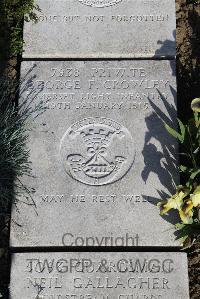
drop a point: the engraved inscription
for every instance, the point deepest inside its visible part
(99, 3)
(88, 19)
(99, 275)
(102, 89)
(103, 198)
(120, 278)
(97, 151)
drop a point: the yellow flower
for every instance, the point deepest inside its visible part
(195, 105)
(186, 212)
(174, 202)
(195, 197)
(188, 206)
(186, 218)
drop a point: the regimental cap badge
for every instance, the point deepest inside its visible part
(99, 3)
(97, 151)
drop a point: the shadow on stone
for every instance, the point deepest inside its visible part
(168, 46)
(163, 162)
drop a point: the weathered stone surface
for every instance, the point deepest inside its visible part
(109, 28)
(101, 156)
(99, 275)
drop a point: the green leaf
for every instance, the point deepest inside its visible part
(196, 118)
(182, 128)
(179, 226)
(174, 133)
(194, 174)
(183, 168)
(189, 185)
(196, 150)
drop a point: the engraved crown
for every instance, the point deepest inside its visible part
(97, 137)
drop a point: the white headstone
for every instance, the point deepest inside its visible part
(102, 29)
(103, 275)
(100, 154)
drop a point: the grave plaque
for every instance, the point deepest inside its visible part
(99, 276)
(102, 29)
(100, 154)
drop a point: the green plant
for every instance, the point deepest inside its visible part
(13, 12)
(15, 123)
(187, 198)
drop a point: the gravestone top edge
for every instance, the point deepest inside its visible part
(136, 274)
(128, 29)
